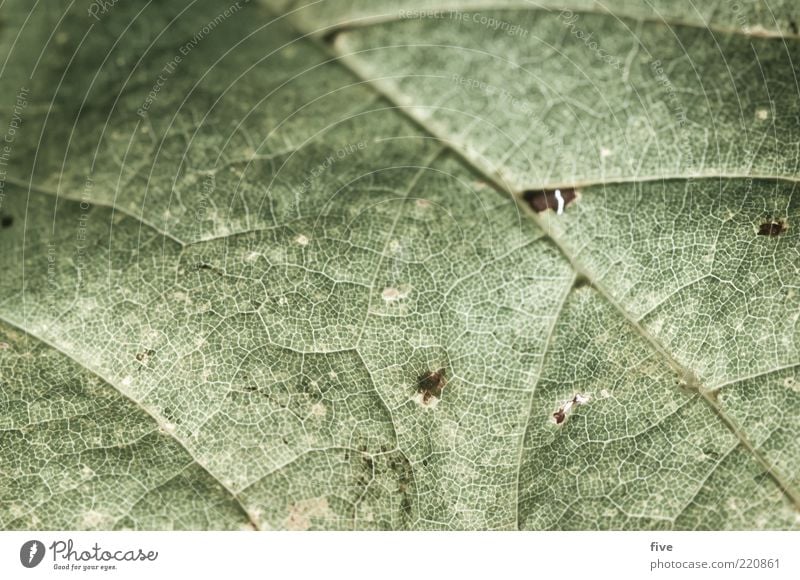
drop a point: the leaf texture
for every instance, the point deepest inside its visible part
(272, 267)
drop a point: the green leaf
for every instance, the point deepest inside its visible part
(285, 267)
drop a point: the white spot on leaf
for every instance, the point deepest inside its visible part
(393, 294)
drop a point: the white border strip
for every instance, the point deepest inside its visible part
(409, 555)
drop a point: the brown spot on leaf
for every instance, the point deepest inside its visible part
(143, 356)
(544, 199)
(566, 409)
(772, 228)
(405, 483)
(431, 384)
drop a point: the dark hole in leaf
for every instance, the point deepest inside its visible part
(772, 228)
(543, 199)
(204, 266)
(431, 384)
(559, 416)
(793, 26)
(6, 221)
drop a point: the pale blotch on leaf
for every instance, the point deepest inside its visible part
(394, 294)
(94, 519)
(16, 510)
(301, 240)
(302, 512)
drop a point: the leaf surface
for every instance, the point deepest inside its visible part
(257, 276)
